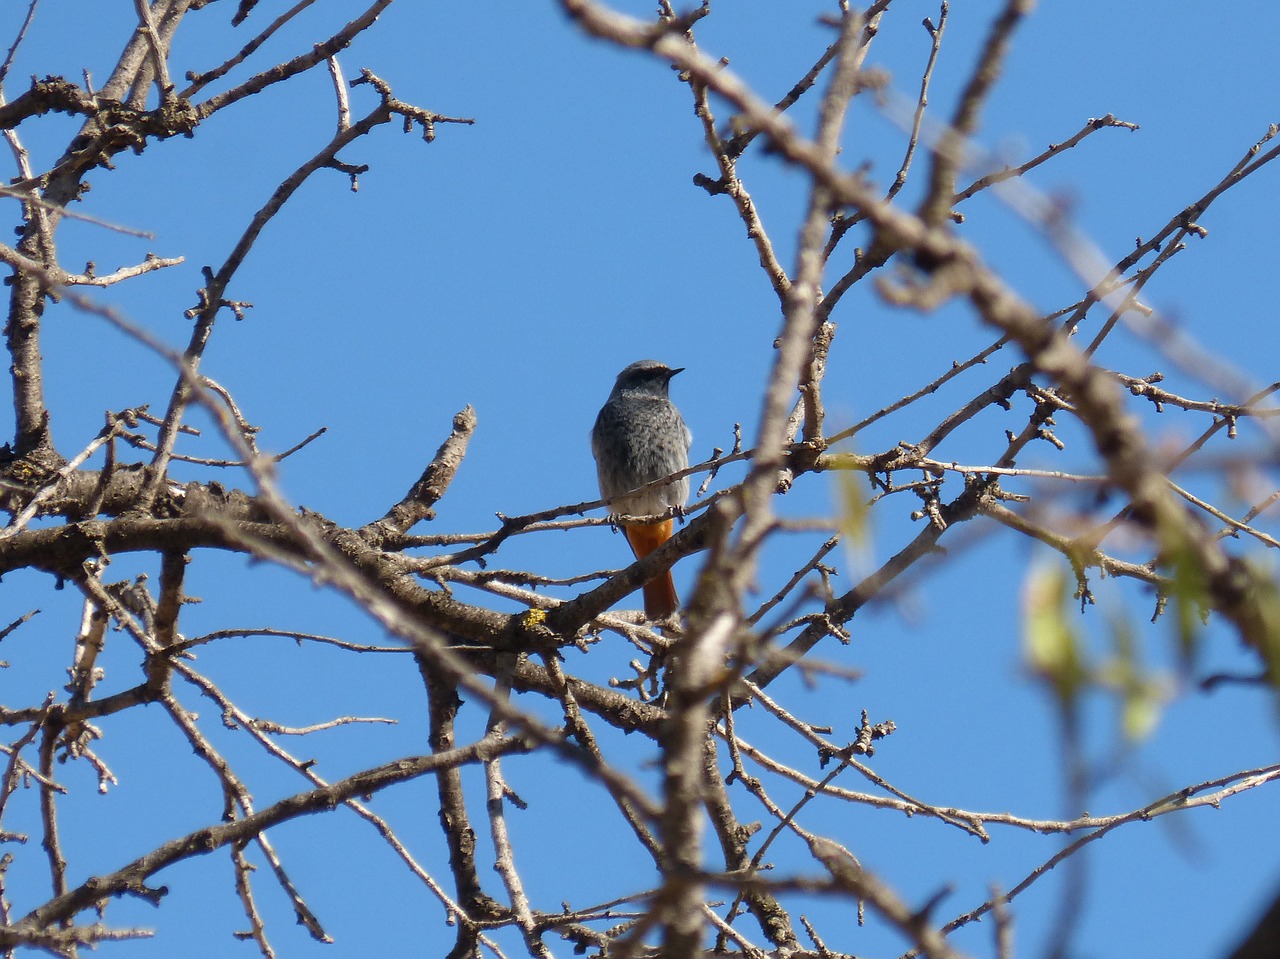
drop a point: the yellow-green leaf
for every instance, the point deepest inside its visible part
(1051, 644)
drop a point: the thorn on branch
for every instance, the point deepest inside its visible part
(17, 622)
(412, 115)
(714, 187)
(203, 303)
(350, 170)
(1110, 121)
(152, 894)
(243, 11)
(1049, 437)
(862, 744)
(671, 22)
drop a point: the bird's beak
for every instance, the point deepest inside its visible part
(671, 373)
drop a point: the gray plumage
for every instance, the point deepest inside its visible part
(639, 437)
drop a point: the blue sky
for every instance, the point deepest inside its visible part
(516, 265)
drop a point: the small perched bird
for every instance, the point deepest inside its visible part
(638, 438)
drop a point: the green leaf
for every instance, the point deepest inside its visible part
(1050, 641)
(854, 517)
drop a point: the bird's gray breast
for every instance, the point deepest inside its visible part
(638, 439)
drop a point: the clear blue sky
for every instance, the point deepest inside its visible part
(516, 265)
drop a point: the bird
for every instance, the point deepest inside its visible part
(639, 437)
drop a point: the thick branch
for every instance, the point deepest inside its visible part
(434, 481)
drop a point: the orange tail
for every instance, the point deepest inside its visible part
(660, 598)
